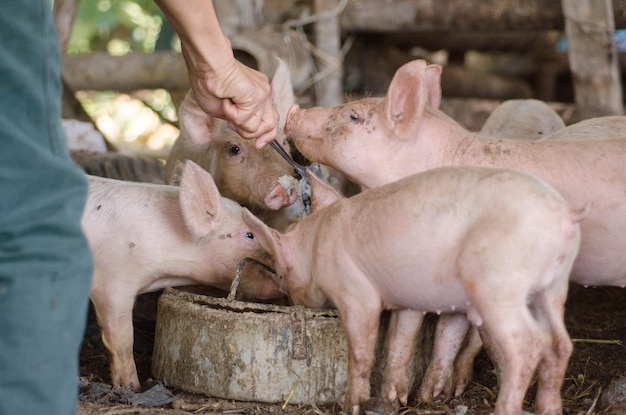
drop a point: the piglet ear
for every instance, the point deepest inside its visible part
(322, 194)
(177, 173)
(194, 122)
(200, 201)
(282, 92)
(432, 85)
(414, 86)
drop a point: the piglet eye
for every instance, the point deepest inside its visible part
(249, 235)
(354, 116)
(234, 149)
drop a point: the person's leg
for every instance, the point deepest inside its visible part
(45, 262)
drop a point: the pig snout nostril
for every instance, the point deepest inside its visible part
(277, 197)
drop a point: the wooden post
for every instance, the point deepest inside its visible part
(64, 14)
(590, 25)
(234, 16)
(328, 42)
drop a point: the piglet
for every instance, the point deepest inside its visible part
(494, 244)
(145, 237)
(241, 172)
(375, 141)
(452, 362)
(521, 119)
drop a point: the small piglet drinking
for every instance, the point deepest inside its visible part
(495, 244)
(243, 173)
(145, 237)
(375, 141)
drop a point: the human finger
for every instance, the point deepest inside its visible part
(251, 123)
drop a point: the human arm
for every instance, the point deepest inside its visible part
(223, 86)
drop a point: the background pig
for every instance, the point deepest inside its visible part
(241, 172)
(379, 140)
(521, 119)
(145, 237)
(503, 248)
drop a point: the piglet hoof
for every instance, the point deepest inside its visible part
(460, 387)
(379, 406)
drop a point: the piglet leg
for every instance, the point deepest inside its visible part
(361, 322)
(449, 336)
(515, 343)
(549, 310)
(403, 327)
(464, 364)
(115, 316)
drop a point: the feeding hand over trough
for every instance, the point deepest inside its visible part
(241, 172)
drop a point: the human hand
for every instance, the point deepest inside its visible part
(240, 95)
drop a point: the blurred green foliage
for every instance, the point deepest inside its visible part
(117, 26)
(130, 121)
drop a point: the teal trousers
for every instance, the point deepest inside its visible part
(45, 262)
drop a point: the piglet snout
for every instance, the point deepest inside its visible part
(279, 197)
(289, 120)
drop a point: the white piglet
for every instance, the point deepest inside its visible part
(494, 244)
(145, 237)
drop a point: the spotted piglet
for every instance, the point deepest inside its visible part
(145, 237)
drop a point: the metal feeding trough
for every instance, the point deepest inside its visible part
(260, 352)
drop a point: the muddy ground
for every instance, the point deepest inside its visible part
(595, 317)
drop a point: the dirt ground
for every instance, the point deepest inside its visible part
(595, 317)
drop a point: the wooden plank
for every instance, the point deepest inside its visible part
(101, 71)
(64, 14)
(327, 34)
(592, 57)
(440, 16)
(234, 16)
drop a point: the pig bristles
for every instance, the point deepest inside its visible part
(242, 263)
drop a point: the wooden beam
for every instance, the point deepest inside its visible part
(101, 71)
(64, 14)
(327, 33)
(589, 26)
(441, 16)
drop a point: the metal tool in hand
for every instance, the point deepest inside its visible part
(305, 184)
